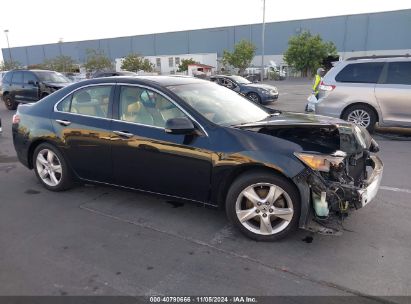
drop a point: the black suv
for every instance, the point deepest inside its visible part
(24, 86)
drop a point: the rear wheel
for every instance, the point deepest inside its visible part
(10, 103)
(361, 115)
(51, 168)
(254, 97)
(263, 206)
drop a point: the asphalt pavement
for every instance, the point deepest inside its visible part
(95, 240)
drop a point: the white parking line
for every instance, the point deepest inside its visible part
(395, 189)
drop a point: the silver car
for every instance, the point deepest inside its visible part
(368, 90)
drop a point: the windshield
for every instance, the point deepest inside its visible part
(240, 79)
(52, 77)
(219, 104)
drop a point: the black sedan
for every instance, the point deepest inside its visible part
(257, 92)
(193, 140)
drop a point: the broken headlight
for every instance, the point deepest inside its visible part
(321, 162)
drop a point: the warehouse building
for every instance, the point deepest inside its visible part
(354, 35)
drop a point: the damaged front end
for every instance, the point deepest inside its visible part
(341, 173)
(346, 179)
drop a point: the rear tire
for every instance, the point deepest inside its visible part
(361, 115)
(51, 168)
(10, 103)
(263, 206)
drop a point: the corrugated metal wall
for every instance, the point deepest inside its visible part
(365, 32)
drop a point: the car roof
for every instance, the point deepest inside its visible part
(164, 81)
(34, 70)
(376, 59)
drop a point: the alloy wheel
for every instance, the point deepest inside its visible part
(264, 208)
(254, 98)
(359, 117)
(49, 167)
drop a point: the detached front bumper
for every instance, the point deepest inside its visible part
(372, 184)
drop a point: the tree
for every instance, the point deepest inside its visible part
(134, 63)
(306, 52)
(183, 66)
(60, 64)
(9, 65)
(241, 57)
(96, 61)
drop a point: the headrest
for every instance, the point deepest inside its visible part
(134, 107)
(83, 97)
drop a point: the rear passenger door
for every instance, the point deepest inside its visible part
(17, 86)
(394, 93)
(82, 122)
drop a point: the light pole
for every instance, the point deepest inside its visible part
(8, 44)
(262, 43)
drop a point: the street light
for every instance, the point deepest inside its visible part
(8, 44)
(262, 43)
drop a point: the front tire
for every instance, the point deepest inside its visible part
(361, 115)
(51, 168)
(263, 206)
(254, 97)
(10, 103)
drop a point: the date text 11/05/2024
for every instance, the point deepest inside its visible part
(197, 299)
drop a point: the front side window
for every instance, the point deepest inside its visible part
(90, 101)
(143, 106)
(368, 72)
(17, 77)
(29, 77)
(399, 73)
(219, 105)
(240, 79)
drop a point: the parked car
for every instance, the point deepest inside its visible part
(112, 73)
(193, 140)
(256, 92)
(368, 90)
(24, 86)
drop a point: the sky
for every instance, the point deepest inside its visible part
(48, 21)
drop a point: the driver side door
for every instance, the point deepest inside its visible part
(147, 158)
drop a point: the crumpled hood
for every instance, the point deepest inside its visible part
(291, 118)
(353, 139)
(261, 86)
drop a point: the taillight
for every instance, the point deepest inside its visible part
(16, 118)
(326, 87)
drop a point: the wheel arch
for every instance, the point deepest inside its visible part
(361, 103)
(33, 147)
(225, 184)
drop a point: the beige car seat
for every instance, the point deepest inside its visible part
(136, 112)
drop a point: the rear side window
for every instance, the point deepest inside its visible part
(90, 101)
(399, 73)
(361, 72)
(7, 78)
(17, 77)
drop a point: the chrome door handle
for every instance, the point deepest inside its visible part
(123, 134)
(63, 122)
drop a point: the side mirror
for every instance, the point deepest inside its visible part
(179, 126)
